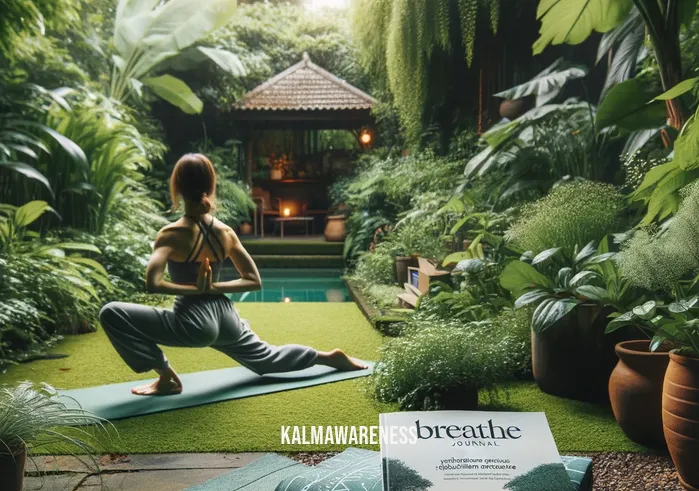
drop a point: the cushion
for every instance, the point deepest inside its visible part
(360, 470)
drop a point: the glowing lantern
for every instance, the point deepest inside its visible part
(365, 137)
(287, 212)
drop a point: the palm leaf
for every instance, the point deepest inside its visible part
(547, 84)
(176, 92)
(572, 21)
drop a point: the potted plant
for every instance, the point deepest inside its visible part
(571, 356)
(676, 325)
(636, 384)
(34, 419)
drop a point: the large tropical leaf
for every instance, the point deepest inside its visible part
(679, 89)
(551, 311)
(547, 84)
(624, 43)
(519, 277)
(191, 57)
(572, 21)
(224, 59)
(665, 198)
(626, 106)
(687, 146)
(176, 92)
(27, 171)
(132, 19)
(506, 140)
(28, 213)
(178, 24)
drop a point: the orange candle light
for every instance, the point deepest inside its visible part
(287, 212)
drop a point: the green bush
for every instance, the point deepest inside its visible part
(658, 260)
(233, 202)
(434, 359)
(571, 215)
(377, 266)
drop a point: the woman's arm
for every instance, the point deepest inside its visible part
(155, 271)
(249, 275)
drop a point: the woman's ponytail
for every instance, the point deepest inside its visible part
(206, 203)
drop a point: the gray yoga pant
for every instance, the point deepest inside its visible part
(195, 321)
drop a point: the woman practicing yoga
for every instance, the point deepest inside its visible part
(193, 248)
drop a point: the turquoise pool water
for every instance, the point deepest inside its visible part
(298, 285)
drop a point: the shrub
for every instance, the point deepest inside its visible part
(376, 267)
(233, 202)
(571, 215)
(658, 259)
(433, 359)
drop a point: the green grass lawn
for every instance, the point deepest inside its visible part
(253, 424)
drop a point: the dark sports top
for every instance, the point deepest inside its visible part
(186, 272)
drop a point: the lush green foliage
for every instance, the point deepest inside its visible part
(659, 259)
(673, 325)
(422, 369)
(270, 37)
(148, 34)
(386, 188)
(46, 287)
(399, 38)
(570, 216)
(555, 283)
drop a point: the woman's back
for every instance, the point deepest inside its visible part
(193, 240)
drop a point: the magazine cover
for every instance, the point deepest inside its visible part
(470, 450)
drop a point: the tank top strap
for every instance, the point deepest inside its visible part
(196, 249)
(212, 233)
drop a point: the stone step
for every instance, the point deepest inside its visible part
(294, 261)
(292, 247)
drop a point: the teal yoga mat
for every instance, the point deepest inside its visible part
(115, 401)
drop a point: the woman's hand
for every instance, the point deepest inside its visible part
(205, 277)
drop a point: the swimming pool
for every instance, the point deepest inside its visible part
(298, 285)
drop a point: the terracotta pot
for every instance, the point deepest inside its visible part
(514, 108)
(245, 228)
(636, 390)
(335, 228)
(574, 358)
(275, 174)
(681, 417)
(12, 470)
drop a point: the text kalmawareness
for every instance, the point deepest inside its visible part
(348, 435)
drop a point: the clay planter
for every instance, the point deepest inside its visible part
(574, 358)
(245, 228)
(635, 391)
(514, 108)
(335, 228)
(12, 470)
(681, 417)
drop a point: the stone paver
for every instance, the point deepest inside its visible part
(53, 482)
(151, 472)
(163, 480)
(140, 462)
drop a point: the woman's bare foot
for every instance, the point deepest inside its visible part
(168, 384)
(338, 359)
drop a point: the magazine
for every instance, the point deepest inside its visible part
(470, 451)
